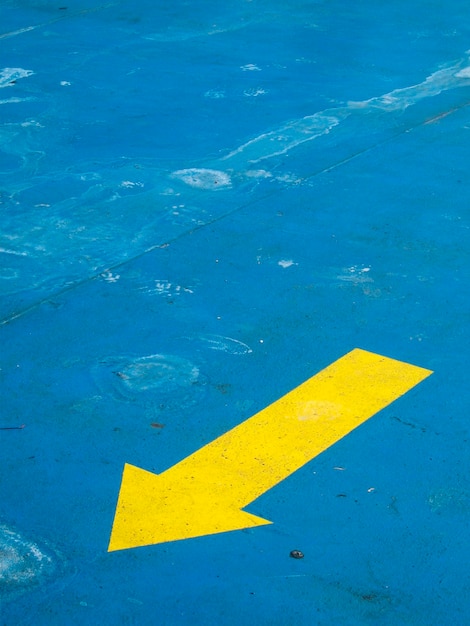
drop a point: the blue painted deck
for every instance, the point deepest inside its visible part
(202, 205)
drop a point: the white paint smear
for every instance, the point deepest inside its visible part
(225, 344)
(293, 133)
(13, 252)
(204, 178)
(20, 31)
(14, 100)
(129, 184)
(465, 73)
(286, 137)
(258, 174)
(10, 74)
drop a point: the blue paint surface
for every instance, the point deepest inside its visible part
(202, 205)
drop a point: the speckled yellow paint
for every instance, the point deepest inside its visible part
(206, 492)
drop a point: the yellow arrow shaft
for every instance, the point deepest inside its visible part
(248, 460)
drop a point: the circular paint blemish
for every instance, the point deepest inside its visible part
(164, 380)
(23, 563)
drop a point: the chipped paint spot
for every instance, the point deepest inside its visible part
(286, 263)
(215, 94)
(109, 277)
(355, 274)
(129, 184)
(250, 67)
(254, 92)
(165, 287)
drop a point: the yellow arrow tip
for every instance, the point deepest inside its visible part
(153, 508)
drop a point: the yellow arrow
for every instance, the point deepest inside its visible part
(206, 492)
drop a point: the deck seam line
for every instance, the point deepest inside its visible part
(219, 218)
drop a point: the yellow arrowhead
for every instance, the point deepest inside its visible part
(206, 492)
(152, 509)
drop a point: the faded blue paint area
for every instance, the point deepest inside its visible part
(203, 205)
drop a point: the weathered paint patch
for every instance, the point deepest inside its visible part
(23, 563)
